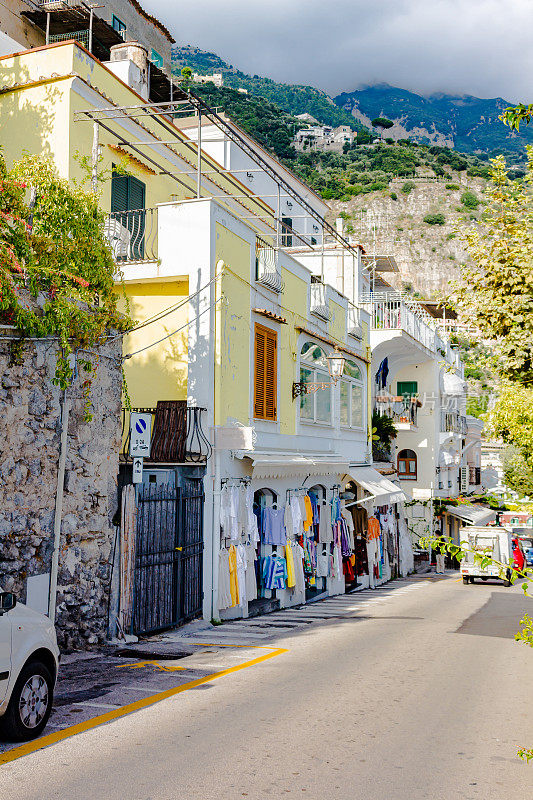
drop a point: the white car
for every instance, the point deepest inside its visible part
(29, 660)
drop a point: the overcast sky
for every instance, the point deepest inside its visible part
(479, 47)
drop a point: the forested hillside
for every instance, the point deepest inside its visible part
(466, 123)
(289, 98)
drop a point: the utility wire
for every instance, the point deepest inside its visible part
(130, 355)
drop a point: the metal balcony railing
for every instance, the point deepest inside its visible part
(266, 266)
(474, 476)
(177, 433)
(354, 322)
(132, 235)
(318, 301)
(453, 422)
(395, 311)
(79, 36)
(399, 409)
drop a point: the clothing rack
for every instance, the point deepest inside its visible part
(235, 481)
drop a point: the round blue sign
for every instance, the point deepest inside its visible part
(140, 427)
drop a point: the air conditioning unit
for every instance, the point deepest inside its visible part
(463, 479)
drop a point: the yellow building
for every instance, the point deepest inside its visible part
(238, 306)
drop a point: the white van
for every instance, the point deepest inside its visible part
(29, 659)
(493, 541)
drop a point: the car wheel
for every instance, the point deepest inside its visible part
(484, 579)
(30, 704)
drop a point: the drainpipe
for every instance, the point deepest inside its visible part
(215, 548)
(65, 411)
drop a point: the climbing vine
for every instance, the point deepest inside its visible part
(56, 267)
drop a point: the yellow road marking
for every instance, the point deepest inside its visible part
(145, 702)
(156, 664)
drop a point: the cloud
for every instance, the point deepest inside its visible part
(479, 47)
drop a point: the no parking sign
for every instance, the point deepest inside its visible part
(140, 434)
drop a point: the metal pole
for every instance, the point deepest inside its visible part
(47, 40)
(91, 30)
(199, 160)
(94, 159)
(278, 211)
(65, 411)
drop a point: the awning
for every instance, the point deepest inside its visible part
(453, 385)
(281, 465)
(383, 490)
(473, 515)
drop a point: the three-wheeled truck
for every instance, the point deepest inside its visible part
(498, 543)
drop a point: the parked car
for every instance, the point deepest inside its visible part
(29, 660)
(496, 542)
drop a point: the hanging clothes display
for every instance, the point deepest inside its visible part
(234, 584)
(274, 526)
(250, 576)
(274, 572)
(291, 578)
(224, 587)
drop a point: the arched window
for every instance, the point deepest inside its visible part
(352, 396)
(316, 406)
(407, 465)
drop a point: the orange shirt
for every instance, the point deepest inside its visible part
(373, 528)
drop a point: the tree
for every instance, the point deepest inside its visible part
(496, 289)
(511, 420)
(383, 123)
(56, 266)
(434, 219)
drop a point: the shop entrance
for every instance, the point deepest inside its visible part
(317, 588)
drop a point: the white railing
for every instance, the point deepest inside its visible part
(354, 322)
(266, 266)
(394, 311)
(318, 301)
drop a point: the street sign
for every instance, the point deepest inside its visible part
(137, 470)
(140, 434)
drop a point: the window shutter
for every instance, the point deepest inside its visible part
(119, 193)
(136, 193)
(265, 373)
(271, 375)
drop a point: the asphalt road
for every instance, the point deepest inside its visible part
(418, 693)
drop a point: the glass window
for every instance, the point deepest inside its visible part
(307, 403)
(313, 354)
(156, 59)
(357, 406)
(345, 408)
(352, 370)
(118, 25)
(323, 398)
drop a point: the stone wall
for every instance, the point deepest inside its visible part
(29, 456)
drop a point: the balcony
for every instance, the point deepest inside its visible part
(474, 475)
(402, 410)
(267, 272)
(318, 301)
(132, 235)
(393, 311)
(453, 422)
(355, 328)
(177, 434)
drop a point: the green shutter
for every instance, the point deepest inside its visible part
(407, 387)
(119, 193)
(136, 193)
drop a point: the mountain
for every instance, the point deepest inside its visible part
(466, 123)
(292, 99)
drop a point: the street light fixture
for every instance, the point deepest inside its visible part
(335, 368)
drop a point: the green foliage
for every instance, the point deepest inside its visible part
(497, 287)
(469, 200)
(383, 429)
(382, 122)
(364, 137)
(408, 187)
(61, 258)
(511, 420)
(393, 196)
(435, 219)
(453, 187)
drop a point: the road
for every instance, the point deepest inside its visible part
(418, 692)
